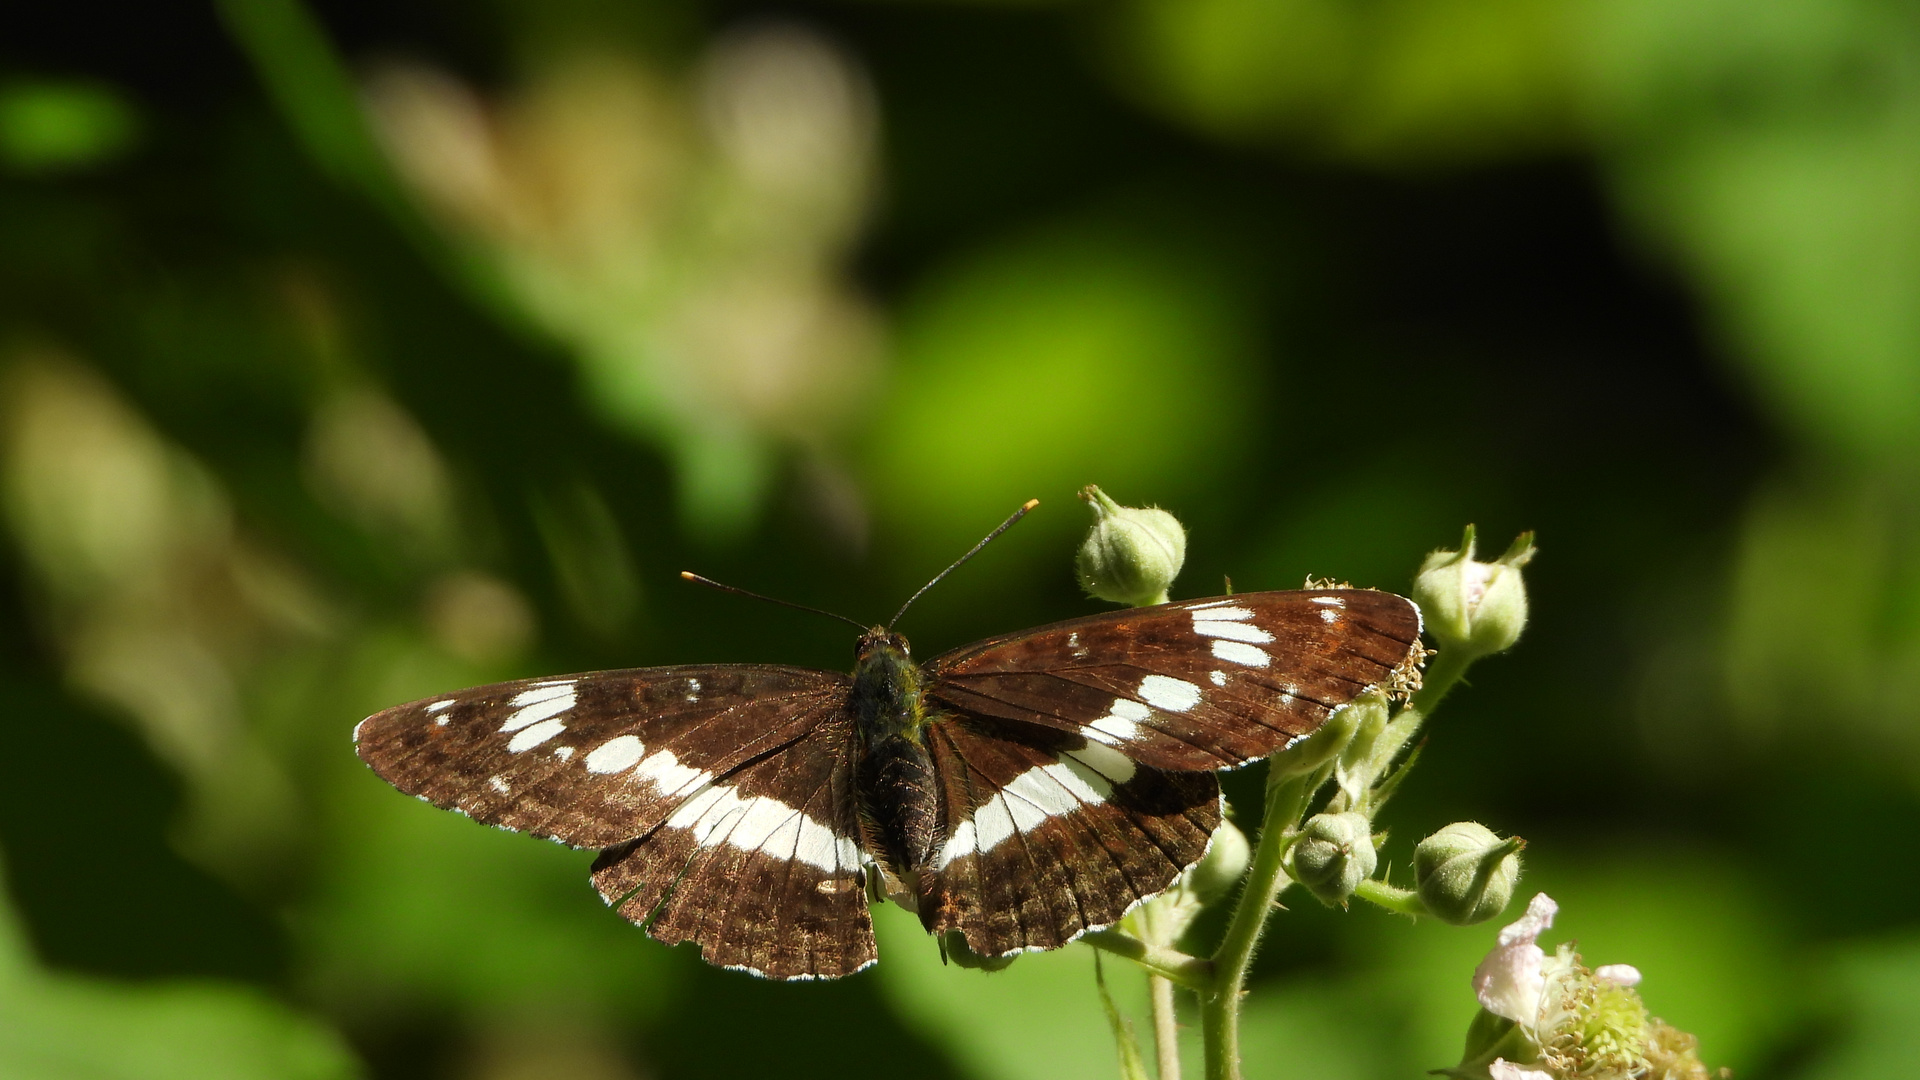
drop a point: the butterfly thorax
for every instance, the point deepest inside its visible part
(893, 775)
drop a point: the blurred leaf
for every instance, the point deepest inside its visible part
(1777, 150)
(1399, 81)
(1879, 988)
(58, 126)
(1073, 356)
(56, 1027)
(1040, 1019)
(1825, 613)
(293, 57)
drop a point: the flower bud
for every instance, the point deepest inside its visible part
(1224, 864)
(1132, 554)
(1478, 608)
(1334, 855)
(1465, 874)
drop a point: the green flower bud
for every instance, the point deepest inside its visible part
(1222, 867)
(1334, 855)
(954, 945)
(1465, 874)
(1132, 554)
(1478, 608)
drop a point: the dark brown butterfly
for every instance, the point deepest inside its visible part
(1022, 790)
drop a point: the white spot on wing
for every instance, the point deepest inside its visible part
(497, 784)
(1219, 678)
(719, 815)
(1221, 609)
(1036, 796)
(962, 842)
(1330, 601)
(442, 721)
(615, 755)
(1121, 723)
(537, 704)
(1173, 695)
(1032, 797)
(440, 705)
(1237, 631)
(667, 775)
(1116, 767)
(531, 737)
(1239, 652)
(541, 692)
(992, 824)
(564, 753)
(1329, 615)
(1226, 602)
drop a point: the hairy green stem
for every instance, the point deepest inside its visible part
(1171, 964)
(1220, 1003)
(1166, 1028)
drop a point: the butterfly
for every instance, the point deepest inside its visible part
(1021, 791)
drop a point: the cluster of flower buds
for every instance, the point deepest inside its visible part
(1552, 1018)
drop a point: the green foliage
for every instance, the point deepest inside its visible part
(294, 426)
(59, 1027)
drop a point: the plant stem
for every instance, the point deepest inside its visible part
(1397, 900)
(1166, 1027)
(1447, 668)
(1189, 971)
(1220, 1003)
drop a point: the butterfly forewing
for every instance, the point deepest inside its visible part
(1050, 836)
(1205, 684)
(594, 760)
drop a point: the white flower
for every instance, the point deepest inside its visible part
(1618, 974)
(1502, 1069)
(1508, 982)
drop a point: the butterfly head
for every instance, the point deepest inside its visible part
(877, 641)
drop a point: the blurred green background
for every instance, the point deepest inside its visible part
(360, 351)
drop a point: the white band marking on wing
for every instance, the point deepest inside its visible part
(1237, 652)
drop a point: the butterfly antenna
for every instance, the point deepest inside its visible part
(698, 580)
(957, 563)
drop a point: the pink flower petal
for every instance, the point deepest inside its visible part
(1528, 928)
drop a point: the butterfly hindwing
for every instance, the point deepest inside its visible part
(594, 760)
(761, 868)
(1197, 685)
(1049, 836)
